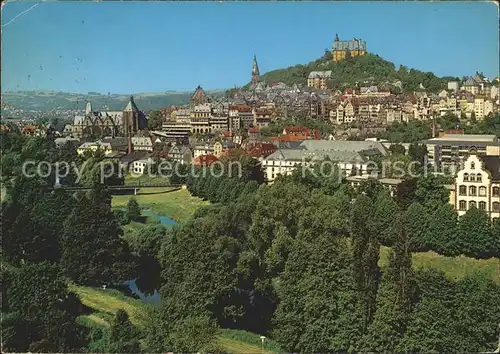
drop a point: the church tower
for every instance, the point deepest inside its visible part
(130, 123)
(255, 71)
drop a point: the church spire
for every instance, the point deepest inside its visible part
(255, 70)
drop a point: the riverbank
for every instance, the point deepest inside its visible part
(178, 205)
(104, 304)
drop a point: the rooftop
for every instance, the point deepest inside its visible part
(465, 138)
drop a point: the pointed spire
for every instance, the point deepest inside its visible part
(131, 107)
(255, 68)
(255, 71)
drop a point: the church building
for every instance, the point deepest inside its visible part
(109, 123)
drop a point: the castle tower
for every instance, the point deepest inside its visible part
(255, 71)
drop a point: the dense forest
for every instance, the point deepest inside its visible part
(371, 68)
(297, 261)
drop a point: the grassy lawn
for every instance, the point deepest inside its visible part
(145, 179)
(236, 347)
(453, 267)
(106, 302)
(242, 342)
(178, 205)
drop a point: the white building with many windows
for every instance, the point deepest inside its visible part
(478, 185)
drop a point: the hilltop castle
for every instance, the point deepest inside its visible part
(342, 49)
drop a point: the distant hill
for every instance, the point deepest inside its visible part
(52, 100)
(368, 69)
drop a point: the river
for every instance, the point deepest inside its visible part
(132, 284)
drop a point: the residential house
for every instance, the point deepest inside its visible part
(180, 153)
(203, 149)
(142, 143)
(470, 85)
(477, 185)
(139, 167)
(93, 147)
(204, 160)
(319, 79)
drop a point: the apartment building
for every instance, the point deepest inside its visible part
(477, 185)
(200, 118)
(351, 157)
(450, 150)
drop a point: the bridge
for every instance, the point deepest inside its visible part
(123, 187)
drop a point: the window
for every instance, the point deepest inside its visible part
(472, 177)
(482, 205)
(472, 165)
(466, 177)
(482, 191)
(472, 190)
(479, 177)
(496, 206)
(462, 205)
(462, 190)
(472, 204)
(496, 191)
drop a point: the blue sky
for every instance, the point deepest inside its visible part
(131, 47)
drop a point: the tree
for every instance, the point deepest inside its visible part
(397, 149)
(418, 223)
(443, 231)
(405, 192)
(40, 312)
(133, 209)
(430, 326)
(394, 298)
(477, 305)
(474, 235)
(93, 251)
(417, 153)
(385, 214)
(366, 250)
(155, 120)
(431, 192)
(123, 335)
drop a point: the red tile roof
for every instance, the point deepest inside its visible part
(205, 160)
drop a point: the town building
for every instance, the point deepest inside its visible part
(204, 160)
(319, 79)
(477, 185)
(343, 49)
(106, 123)
(142, 143)
(139, 167)
(450, 150)
(181, 154)
(351, 157)
(204, 149)
(453, 86)
(199, 96)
